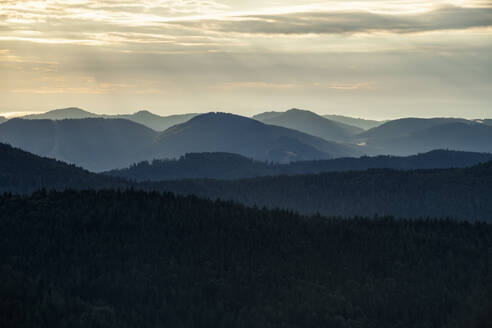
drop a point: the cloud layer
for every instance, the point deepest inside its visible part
(374, 58)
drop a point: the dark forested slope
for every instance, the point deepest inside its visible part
(233, 166)
(460, 193)
(133, 259)
(23, 172)
(464, 193)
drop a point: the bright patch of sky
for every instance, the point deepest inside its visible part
(378, 59)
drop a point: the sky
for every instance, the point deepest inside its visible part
(377, 59)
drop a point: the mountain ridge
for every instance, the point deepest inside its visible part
(101, 144)
(362, 123)
(151, 120)
(310, 123)
(233, 166)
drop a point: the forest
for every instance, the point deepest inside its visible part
(234, 166)
(461, 193)
(147, 259)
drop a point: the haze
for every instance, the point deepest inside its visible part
(375, 59)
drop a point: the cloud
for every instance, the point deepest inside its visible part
(196, 55)
(444, 18)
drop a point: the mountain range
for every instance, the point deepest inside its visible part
(232, 133)
(94, 143)
(407, 126)
(364, 124)
(410, 136)
(310, 123)
(460, 193)
(232, 166)
(100, 144)
(153, 121)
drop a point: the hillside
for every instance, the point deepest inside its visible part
(22, 172)
(406, 126)
(95, 144)
(101, 144)
(2, 119)
(364, 124)
(311, 123)
(126, 259)
(61, 114)
(156, 122)
(221, 132)
(233, 166)
(150, 120)
(454, 136)
(462, 193)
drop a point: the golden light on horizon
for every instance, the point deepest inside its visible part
(189, 50)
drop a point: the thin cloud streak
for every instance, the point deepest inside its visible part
(370, 57)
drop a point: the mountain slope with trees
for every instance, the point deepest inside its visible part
(23, 173)
(126, 259)
(96, 144)
(311, 123)
(463, 193)
(222, 132)
(233, 166)
(455, 136)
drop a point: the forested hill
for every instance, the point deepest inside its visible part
(23, 172)
(459, 193)
(135, 259)
(464, 193)
(233, 166)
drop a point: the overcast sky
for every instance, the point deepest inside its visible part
(374, 59)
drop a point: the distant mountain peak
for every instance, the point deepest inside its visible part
(219, 116)
(144, 112)
(70, 110)
(62, 113)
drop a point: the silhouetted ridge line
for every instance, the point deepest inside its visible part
(234, 166)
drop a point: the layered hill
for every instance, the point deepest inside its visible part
(153, 121)
(455, 135)
(407, 126)
(23, 172)
(96, 144)
(364, 124)
(101, 144)
(61, 114)
(310, 123)
(222, 132)
(233, 166)
(462, 193)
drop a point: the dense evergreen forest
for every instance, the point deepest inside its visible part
(463, 193)
(136, 259)
(233, 166)
(23, 172)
